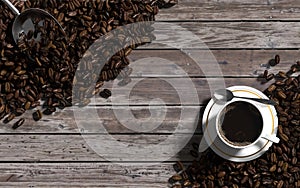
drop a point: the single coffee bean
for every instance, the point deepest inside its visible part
(284, 137)
(272, 62)
(37, 115)
(285, 167)
(277, 59)
(18, 123)
(273, 168)
(280, 184)
(279, 83)
(177, 177)
(178, 166)
(281, 94)
(273, 158)
(2, 108)
(221, 174)
(270, 77)
(265, 75)
(257, 184)
(9, 118)
(106, 93)
(187, 183)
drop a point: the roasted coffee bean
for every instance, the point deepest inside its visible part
(284, 137)
(270, 77)
(37, 115)
(20, 111)
(279, 83)
(280, 184)
(277, 59)
(244, 180)
(273, 158)
(257, 184)
(184, 175)
(9, 118)
(19, 123)
(2, 108)
(106, 93)
(173, 179)
(273, 168)
(281, 94)
(272, 62)
(294, 152)
(177, 177)
(265, 75)
(165, 3)
(178, 166)
(279, 150)
(285, 167)
(221, 174)
(285, 157)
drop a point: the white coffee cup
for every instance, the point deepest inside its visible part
(263, 134)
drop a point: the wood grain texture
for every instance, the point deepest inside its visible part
(144, 91)
(64, 122)
(233, 63)
(210, 10)
(226, 35)
(56, 148)
(84, 175)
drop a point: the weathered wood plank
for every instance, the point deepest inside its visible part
(85, 175)
(118, 148)
(226, 35)
(232, 10)
(233, 63)
(64, 122)
(143, 91)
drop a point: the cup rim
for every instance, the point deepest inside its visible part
(218, 117)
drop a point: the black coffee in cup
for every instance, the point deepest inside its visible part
(240, 123)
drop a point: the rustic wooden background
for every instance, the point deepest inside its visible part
(243, 35)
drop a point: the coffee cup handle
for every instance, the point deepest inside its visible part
(271, 138)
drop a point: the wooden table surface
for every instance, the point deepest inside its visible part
(241, 34)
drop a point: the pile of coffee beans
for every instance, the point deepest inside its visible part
(279, 167)
(40, 69)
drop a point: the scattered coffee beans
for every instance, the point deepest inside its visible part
(279, 167)
(40, 69)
